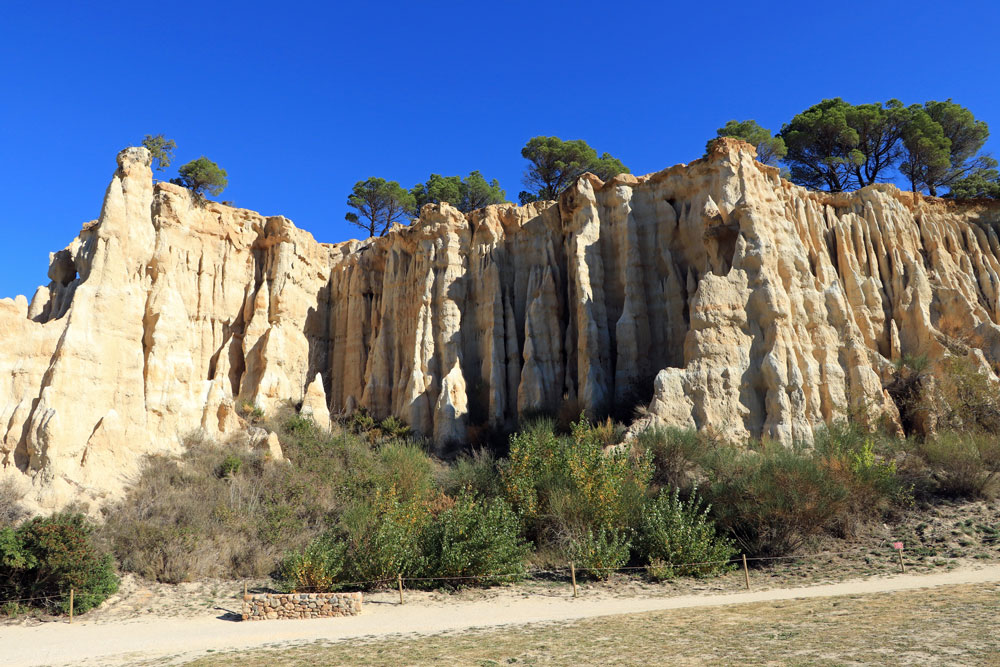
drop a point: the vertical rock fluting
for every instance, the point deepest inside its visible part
(716, 293)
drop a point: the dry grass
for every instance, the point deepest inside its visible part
(953, 625)
(11, 510)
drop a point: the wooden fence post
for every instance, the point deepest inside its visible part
(71, 592)
(901, 568)
(572, 574)
(746, 571)
(399, 582)
(244, 588)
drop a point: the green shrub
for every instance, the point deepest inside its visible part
(230, 466)
(383, 538)
(598, 553)
(393, 427)
(771, 501)
(566, 486)
(405, 467)
(608, 433)
(361, 421)
(962, 465)
(476, 539)
(317, 567)
(252, 412)
(677, 538)
(865, 466)
(477, 471)
(300, 426)
(44, 558)
(674, 454)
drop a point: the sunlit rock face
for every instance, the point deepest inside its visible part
(715, 294)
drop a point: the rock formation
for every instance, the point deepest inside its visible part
(718, 294)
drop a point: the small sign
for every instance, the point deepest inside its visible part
(897, 545)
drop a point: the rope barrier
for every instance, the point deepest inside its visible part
(46, 597)
(564, 570)
(530, 572)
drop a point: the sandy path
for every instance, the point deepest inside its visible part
(178, 639)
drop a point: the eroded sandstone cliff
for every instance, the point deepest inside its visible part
(716, 293)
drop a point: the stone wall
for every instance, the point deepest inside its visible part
(269, 606)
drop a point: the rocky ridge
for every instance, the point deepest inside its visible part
(715, 293)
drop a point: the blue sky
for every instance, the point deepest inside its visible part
(300, 100)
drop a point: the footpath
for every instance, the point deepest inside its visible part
(177, 640)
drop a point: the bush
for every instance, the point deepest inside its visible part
(43, 559)
(962, 465)
(405, 467)
(165, 553)
(477, 472)
(599, 552)
(967, 399)
(229, 466)
(315, 568)
(865, 465)
(252, 412)
(382, 538)
(958, 396)
(674, 454)
(361, 421)
(394, 428)
(476, 539)
(774, 499)
(208, 515)
(217, 513)
(677, 538)
(566, 487)
(11, 510)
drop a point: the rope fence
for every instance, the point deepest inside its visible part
(568, 571)
(571, 569)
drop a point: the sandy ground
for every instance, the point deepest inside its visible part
(175, 640)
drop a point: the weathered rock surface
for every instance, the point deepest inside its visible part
(717, 293)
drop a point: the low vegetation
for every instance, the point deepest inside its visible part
(43, 559)
(365, 503)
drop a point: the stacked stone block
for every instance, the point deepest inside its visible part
(270, 606)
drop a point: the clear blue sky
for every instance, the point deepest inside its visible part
(300, 100)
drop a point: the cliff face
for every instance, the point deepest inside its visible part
(714, 292)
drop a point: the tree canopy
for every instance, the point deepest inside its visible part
(770, 149)
(983, 183)
(378, 204)
(836, 146)
(967, 136)
(464, 194)
(162, 150)
(201, 176)
(926, 151)
(555, 163)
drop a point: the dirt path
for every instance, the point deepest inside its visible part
(180, 639)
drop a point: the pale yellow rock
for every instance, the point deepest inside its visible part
(715, 294)
(314, 404)
(274, 447)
